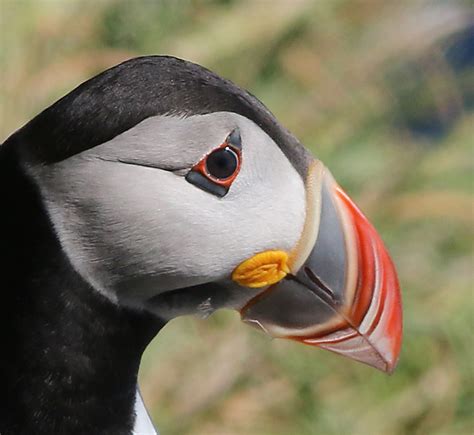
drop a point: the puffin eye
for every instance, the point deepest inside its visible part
(217, 170)
(222, 163)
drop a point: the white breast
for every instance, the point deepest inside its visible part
(143, 424)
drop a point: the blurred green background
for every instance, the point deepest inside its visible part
(383, 93)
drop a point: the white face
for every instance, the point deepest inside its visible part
(134, 231)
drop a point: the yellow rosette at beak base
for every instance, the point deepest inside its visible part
(261, 270)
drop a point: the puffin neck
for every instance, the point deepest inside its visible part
(70, 357)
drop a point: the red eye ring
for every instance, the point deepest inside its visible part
(221, 165)
(221, 159)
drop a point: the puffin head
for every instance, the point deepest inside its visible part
(173, 191)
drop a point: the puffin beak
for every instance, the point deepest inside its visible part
(341, 292)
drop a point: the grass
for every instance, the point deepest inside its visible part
(368, 86)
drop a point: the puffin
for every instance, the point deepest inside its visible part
(158, 189)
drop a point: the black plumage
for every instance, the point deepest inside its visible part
(122, 96)
(69, 357)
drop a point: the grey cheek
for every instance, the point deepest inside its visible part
(135, 233)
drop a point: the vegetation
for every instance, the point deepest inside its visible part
(382, 93)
